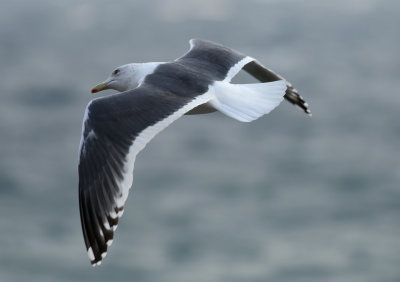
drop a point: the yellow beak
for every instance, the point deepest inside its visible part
(99, 87)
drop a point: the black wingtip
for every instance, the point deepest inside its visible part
(98, 260)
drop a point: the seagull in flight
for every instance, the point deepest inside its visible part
(153, 95)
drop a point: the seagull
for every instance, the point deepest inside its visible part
(153, 95)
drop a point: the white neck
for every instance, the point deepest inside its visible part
(143, 69)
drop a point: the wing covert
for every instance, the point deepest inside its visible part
(217, 61)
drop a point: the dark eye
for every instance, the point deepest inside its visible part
(116, 72)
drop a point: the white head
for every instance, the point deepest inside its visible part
(123, 78)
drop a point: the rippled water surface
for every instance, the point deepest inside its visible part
(284, 198)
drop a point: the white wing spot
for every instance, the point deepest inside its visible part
(107, 225)
(113, 214)
(120, 213)
(90, 253)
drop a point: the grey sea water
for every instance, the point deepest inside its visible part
(285, 198)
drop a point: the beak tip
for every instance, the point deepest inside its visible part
(102, 86)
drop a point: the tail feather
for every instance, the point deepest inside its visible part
(247, 102)
(263, 74)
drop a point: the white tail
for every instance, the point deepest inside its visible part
(247, 102)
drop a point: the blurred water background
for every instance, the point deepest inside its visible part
(285, 198)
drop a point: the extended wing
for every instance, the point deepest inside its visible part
(223, 63)
(115, 129)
